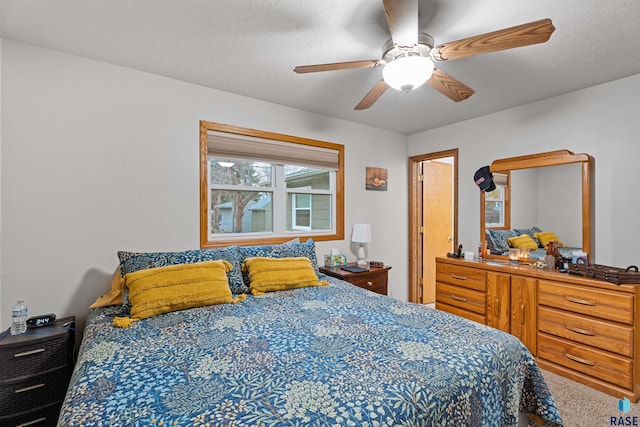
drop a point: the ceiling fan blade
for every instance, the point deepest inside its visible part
(336, 66)
(402, 17)
(373, 95)
(449, 87)
(507, 38)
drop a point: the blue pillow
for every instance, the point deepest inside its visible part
(530, 231)
(500, 238)
(134, 261)
(491, 246)
(283, 250)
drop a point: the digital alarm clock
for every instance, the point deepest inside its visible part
(41, 320)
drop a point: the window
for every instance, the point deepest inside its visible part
(496, 202)
(300, 211)
(259, 187)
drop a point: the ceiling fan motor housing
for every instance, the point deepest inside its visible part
(390, 51)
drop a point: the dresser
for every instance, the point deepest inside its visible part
(36, 368)
(375, 279)
(580, 328)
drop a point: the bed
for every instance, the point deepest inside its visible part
(498, 242)
(326, 355)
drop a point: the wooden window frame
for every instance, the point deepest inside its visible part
(206, 242)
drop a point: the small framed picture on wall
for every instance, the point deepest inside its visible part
(376, 179)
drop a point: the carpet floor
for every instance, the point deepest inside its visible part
(582, 406)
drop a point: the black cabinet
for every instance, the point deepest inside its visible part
(35, 373)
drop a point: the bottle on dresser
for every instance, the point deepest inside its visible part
(19, 318)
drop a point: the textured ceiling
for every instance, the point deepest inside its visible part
(250, 47)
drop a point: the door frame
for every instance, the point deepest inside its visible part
(415, 216)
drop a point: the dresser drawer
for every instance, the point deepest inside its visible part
(461, 297)
(614, 306)
(596, 363)
(462, 313)
(597, 333)
(33, 392)
(36, 356)
(375, 283)
(468, 277)
(46, 416)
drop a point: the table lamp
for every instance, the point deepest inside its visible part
(361, 234)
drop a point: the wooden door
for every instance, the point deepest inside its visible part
(499, 301)
(523, 311)
(437, 222)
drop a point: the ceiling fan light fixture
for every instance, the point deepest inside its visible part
(407, 72)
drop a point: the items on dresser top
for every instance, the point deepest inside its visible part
(354, 269)
(19, 318)
(36, 368)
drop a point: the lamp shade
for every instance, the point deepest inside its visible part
(361, 233)
(408, 72)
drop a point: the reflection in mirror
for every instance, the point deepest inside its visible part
(496, 203)
(546, 192)
(549, 198)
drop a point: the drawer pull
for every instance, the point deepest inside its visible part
(522, 314)
(29, 353)
(457, 298)
(579, 359)
(32, 422)
(369, 284)
(32, 387)
(580, 331)
(498, 308)
(455, 276)
(580, 301)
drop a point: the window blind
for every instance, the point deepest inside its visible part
(226, 145)
(500, 179)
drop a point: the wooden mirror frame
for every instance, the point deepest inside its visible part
(551, 158)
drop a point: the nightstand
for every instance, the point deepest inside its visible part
(375, 279)
(36, 369)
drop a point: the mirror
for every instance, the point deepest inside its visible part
(551, 191)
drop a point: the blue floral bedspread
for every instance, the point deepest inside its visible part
(324, 356)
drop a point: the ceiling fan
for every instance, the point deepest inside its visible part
(408, 56)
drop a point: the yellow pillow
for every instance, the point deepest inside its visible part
(114, 296)
(544, 237)
(279, 274)
(161, 290)
(523, 241)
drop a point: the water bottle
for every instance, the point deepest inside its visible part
(19, 318)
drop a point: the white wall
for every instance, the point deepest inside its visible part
(603, 121)
(98, 158)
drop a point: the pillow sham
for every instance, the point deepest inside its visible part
(136, 261)
(545, 237)
(279, 274)
(160, 290)
(500, 238)
(114, 296)
(489, 241)
(523, 242)
(290, 249)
